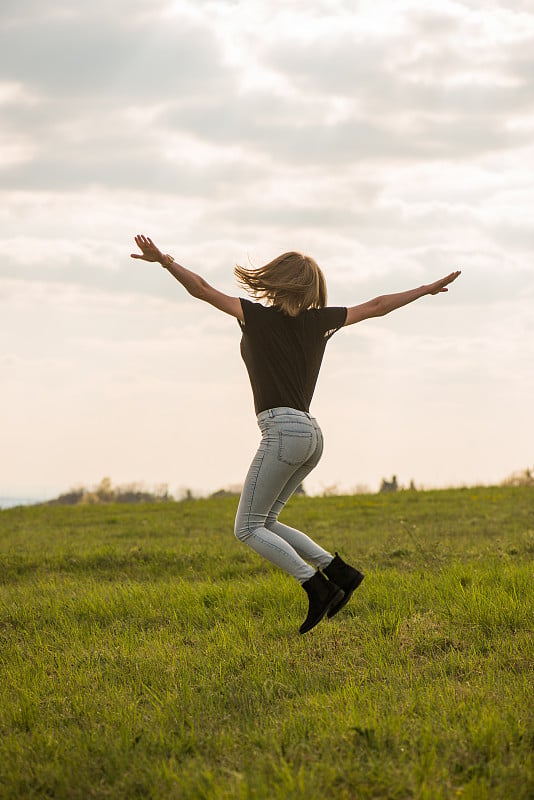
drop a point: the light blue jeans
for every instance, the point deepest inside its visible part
(291, 446)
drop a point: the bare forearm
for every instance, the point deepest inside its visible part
(382, 305)
(389, 302)
(193, 283)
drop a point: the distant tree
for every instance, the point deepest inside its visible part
(389, 486)
(522, 478)
(361, 488)
(331, 491)
(105, 492)
(161, 491)
(71, 498)
(234, 490)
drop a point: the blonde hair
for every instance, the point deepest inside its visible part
(292, 283)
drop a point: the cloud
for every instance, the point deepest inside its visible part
(349, 143)
(112, 58)
(158, 101)
(80, 91)
(16, 12)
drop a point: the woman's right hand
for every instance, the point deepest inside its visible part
(148, 249)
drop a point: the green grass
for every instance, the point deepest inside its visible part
(146, 653)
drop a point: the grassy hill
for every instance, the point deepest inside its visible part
(146, 653)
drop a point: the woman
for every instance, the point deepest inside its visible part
(282, 346)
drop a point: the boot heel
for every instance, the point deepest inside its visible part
(322, 596)
(346, 577)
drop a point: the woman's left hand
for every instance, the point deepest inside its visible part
(441, 285)
(149, 250)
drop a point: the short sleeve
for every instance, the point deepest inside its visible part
(332, 318)
(250, 312)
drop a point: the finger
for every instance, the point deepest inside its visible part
(135, 255)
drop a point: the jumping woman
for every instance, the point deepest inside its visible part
(282, 345)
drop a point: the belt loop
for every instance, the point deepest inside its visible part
(271, 413)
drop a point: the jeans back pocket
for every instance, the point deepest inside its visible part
(294, 446)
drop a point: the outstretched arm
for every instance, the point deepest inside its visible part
(382, 305)
(193, 283)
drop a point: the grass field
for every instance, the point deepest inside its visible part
(146, 653)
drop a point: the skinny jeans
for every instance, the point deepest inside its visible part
(291, 446)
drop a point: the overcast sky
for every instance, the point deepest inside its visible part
(391, 141)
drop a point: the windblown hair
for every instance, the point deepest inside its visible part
(292, 283)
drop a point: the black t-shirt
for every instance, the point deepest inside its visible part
(283, 354)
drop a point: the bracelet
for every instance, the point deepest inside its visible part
(169, 262)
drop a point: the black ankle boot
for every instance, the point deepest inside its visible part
(344, 576)
(322, 594)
